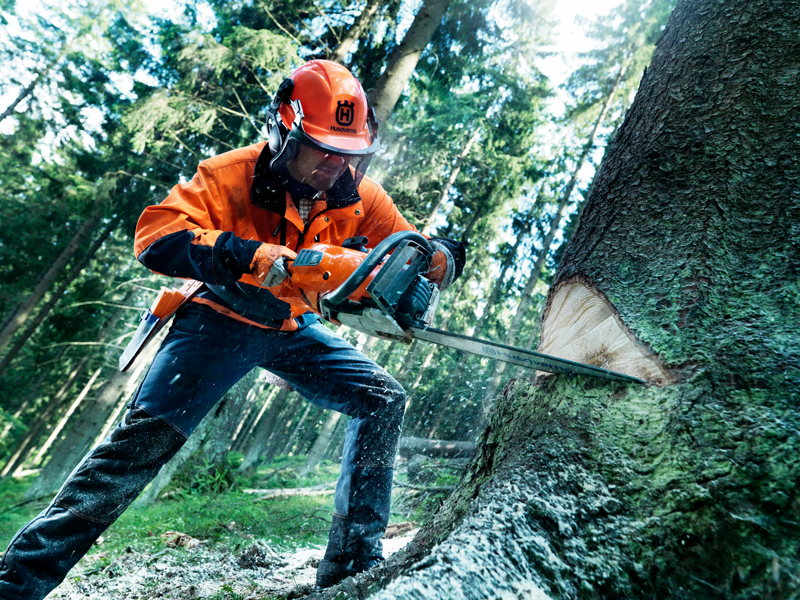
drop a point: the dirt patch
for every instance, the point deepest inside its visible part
(255, 572)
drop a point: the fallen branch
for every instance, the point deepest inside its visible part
(396, 529)
(410, 446)
(314, 490)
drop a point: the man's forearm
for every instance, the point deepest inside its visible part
(179, 255)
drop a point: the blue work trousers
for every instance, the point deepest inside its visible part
(204, 354)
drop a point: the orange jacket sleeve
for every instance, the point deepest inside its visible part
(188, 234)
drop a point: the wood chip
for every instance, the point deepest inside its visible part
(174, 539)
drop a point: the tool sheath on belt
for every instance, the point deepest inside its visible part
(155, 317)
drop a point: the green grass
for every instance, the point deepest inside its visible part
(205, 509)
(11, 519)
(210, 505)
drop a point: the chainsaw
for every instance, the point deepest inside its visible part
(383, 293)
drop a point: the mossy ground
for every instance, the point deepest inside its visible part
(205, 513)
(209, 503)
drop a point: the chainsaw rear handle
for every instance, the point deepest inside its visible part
(373, 259)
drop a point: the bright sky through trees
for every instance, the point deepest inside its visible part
(569, 36)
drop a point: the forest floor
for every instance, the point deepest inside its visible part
(210, 537)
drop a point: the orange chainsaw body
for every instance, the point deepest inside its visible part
(328, 268)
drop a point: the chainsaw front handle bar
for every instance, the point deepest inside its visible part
(373, 259)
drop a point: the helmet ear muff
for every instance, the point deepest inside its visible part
(276, 131)
(274, 135)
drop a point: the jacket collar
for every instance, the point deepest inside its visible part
(268, 189)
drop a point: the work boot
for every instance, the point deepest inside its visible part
(329, 573)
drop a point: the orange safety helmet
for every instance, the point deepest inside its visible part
(323, 106)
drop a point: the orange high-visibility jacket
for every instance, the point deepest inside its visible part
(210, 228)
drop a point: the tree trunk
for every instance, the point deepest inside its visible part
(252, 408)
(279, 434)
(555, 222)
(260, 435)
(45, 311)
(29, 399)
(359, 27)
(307, 436)
(403, 61)
(409, 446)
(48, 483)
(317, 452)
(685, 271)
(218, 439)
(494, 296)
(526, 297)
(209, 441)
(32, 85)
(426, 228)
(47, 280)
(22, 449)
(336, 446)
(91, 424)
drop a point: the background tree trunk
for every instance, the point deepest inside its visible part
(86, 429)
(317, 452)
(451, 180)
(18, 320)
(359, 27)
(48, 306)
(28, 90)
(688, 250)
(43, 420)
(259, 436)
(404, 59)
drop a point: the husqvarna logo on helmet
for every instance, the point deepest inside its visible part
(345, 112)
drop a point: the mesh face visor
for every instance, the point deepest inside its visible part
(359, 159)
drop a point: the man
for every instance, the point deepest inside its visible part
(227, 227)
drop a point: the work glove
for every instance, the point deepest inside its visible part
(442, 269)
(268, 266)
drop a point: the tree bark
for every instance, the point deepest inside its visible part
(336, 446)
(252, 408)
(409, 446)
(47, 280)
(262, 431)
(283, 425)
(48, 483)
(48, 306)
(296, 431)
(259, 433)
(403, 61)
(359, 27)
(688, 248)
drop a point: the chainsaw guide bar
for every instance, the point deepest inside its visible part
(516, 356)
